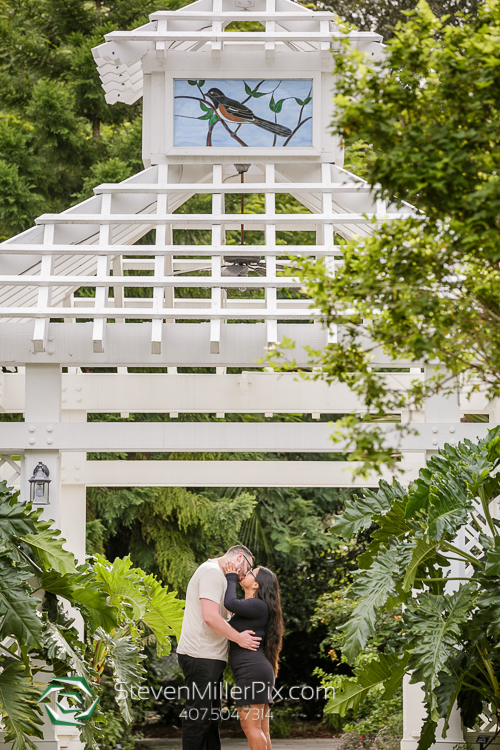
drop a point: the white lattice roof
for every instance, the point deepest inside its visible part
(45, 265)
(202, 26)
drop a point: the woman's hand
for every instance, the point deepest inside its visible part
(229, 567)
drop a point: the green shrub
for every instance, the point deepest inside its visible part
(362, 737)
(281, 722)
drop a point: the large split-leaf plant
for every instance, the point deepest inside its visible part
(122, 608)
(423, 565)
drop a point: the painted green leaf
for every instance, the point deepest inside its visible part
(272, 104)
(201, 83)
(206, 116)
(299, 102)
(19, 709)
(205, 108)
(213, 120)
(307, 99)
(258, 94)
(279, 106)
(192, 83)
(248, 90)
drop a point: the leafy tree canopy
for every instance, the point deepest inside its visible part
(58, 137)
(424, 289)
(384, 16)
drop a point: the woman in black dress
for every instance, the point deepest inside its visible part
(255, 671)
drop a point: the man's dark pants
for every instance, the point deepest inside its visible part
(202, 712)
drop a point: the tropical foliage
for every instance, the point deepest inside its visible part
(122, 609)
(167, 530)
(334, 609)
(449, 630)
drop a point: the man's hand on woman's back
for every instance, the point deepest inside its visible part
(249, 640)
(214, 620)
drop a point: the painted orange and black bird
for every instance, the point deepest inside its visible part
(232, 111)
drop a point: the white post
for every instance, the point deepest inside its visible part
(43, 404)
(444, 409)
(414, 714)
(271, 295)
(218, 235)
(72, 514)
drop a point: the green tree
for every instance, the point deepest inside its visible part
(424, 289)
(384, 15)
(166, 530)
(58, 137)
(450, 627)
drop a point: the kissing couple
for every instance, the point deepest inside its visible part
(253, 627)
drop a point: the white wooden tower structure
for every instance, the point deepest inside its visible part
(45, 328)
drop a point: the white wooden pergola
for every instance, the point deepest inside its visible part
(93, 245)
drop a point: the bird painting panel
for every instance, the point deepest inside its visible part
(243, 113)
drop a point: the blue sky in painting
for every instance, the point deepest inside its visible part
(189, 131)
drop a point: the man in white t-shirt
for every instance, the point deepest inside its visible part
(203, 645)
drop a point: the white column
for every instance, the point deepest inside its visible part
(72, 522)
(326, 231)
(73, 508)
(270, 237)
(43, 404)
(414, 714)
(218, 239)
(444, 409)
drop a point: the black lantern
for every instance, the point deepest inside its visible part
(39, 485)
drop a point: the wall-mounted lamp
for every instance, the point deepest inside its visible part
(39, 485)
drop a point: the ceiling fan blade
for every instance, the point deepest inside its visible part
(234, 270)
(241, 259)
(190, 270)
(259, 270)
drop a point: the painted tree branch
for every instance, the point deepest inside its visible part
(297, 128)
(233, 135)
(300, 122)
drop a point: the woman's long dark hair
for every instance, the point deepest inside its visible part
(269, 592)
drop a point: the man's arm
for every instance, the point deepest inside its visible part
(217, 623)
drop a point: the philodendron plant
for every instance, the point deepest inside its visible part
(122, 608)
(450, 624)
